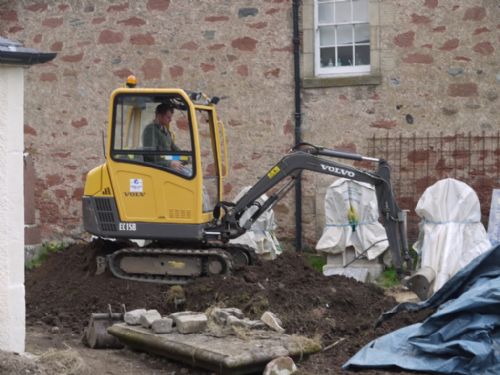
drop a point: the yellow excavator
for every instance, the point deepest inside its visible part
(137, 194)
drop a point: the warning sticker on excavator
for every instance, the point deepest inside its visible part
(273, 172)
(136, 185)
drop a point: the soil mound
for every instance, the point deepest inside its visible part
(64, 291)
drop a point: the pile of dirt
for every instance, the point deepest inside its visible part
(338, 311)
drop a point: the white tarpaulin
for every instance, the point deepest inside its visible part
(494, 220)
(260, 236)
(451, 233)
(351, 219)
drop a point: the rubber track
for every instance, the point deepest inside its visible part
(223, 252)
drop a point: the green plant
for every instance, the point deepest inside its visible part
(415, 257)
(389, 278)
(42, 255)
(316, 261)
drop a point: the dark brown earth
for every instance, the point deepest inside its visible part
(64, 291)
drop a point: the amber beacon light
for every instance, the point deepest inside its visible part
(131, 81)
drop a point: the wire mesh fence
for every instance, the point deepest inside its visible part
(417, 162)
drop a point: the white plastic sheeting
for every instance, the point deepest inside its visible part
(351, 219)
(494, 220)
(451, 233)
(260, 236)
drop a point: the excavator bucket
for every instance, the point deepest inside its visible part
(421, 282)
(96, 334)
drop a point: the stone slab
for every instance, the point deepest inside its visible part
(229, 355)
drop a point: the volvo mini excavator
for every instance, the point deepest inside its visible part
(137, 194)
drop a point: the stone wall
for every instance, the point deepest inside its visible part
(439, 68)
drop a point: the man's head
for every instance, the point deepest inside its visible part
(164, 112)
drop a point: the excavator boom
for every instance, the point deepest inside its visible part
(305, 156)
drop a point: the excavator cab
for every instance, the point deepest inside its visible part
(137, 193)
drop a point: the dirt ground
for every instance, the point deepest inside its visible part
(63, 292)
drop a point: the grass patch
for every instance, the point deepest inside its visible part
(47, 249)
(389, 278)
(316, 261)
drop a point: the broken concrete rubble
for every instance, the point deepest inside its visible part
(245, 323)
(233, 318)
(187, 322)
(149, 317)
(221, 315)
(190, 323)
(163, 325)
(133, 317)
(280, 366)
(272, 321)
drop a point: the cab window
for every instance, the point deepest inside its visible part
(153, 130)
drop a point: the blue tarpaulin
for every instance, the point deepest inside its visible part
(461, 337)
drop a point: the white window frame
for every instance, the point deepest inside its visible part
(337, 70)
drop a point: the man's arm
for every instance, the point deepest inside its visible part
(152, 139)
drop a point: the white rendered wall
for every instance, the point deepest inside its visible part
(12, 303)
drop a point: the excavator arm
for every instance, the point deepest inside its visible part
(305, 156)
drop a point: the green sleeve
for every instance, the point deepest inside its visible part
(148, 136)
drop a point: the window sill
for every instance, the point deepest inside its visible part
(322, 82)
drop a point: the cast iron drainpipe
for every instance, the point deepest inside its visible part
(298, 117)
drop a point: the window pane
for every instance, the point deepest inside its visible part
(362, 55)
(326, 36)
(344, 35)
(325, 13)
(209, 160)
(362, 33)
(360, 10)
(327, 57)
(345, 56)
(140, 136)
(343, 12)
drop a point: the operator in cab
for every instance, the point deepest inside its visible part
(157, 136)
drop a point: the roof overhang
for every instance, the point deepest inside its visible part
(13, 53)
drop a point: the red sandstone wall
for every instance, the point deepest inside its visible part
(439, 64)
